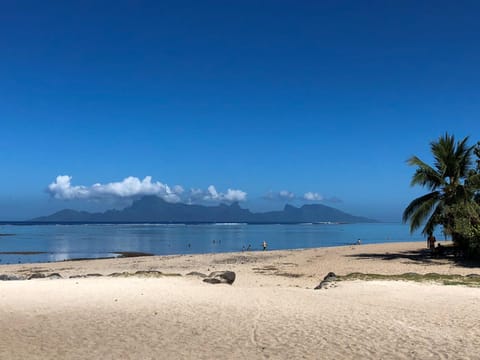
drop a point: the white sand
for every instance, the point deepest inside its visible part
(266, 313)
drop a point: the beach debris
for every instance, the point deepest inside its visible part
(327, 282)
(139, 273)
(54, 276)
(122, 274)
(128, 254)
(149, 273)
(288, 274)
(220, 277)
(7, 277)
(473, 276)
(36, 276)
(196, 273)
(78, 276)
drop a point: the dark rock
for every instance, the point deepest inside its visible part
(330, 277)
(220, 277)
(325, 285)
(327, 281)
(6, 277)
(320, 286)
(212, 281)
(196, 273)
(36, 276)
(54, 276)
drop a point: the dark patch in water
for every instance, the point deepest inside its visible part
(22, 252)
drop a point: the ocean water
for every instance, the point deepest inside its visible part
(30, 243)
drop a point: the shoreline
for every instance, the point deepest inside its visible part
(295, 267)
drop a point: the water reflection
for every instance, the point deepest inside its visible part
(65, 242)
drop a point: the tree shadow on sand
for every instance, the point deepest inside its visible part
(422, 256)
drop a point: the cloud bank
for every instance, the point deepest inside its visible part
(281, 195)
(131, 187)
(231, 195)
(285, 195)
(312, 196)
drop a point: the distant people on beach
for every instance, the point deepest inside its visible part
(249, 247)
(431, 241)
(359, 242)
(440, 249)
(264, 244)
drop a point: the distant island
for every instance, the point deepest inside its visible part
(155, 209)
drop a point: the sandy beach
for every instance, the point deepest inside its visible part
(270, 312)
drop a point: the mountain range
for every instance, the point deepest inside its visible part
(155, 209)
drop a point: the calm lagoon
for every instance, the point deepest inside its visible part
(30, 243)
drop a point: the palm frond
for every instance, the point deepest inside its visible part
(463, 154)
(473, 182)
(452, 160)
(419, 209)
(425, 175)
(433, 220)
(442, 151)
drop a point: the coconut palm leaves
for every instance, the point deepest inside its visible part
(450, 181)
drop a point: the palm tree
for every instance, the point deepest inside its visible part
(447, 182)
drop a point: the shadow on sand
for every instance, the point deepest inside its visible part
(422, 256)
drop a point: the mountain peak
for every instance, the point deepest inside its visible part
(155, 209)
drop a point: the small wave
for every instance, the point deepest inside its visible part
(326, 223)
(229, 224)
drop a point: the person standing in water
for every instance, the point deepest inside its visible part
(264, 245)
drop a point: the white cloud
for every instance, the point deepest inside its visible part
(231, 195)
(312, 196)
(62, 189)
(212, 193)
(235, 195)
(288, 195)
(131, 186)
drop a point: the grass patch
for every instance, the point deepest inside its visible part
(151, 273)
(290, 275)
(469, 280)
(265, 268)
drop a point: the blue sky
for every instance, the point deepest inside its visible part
(326, 97)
